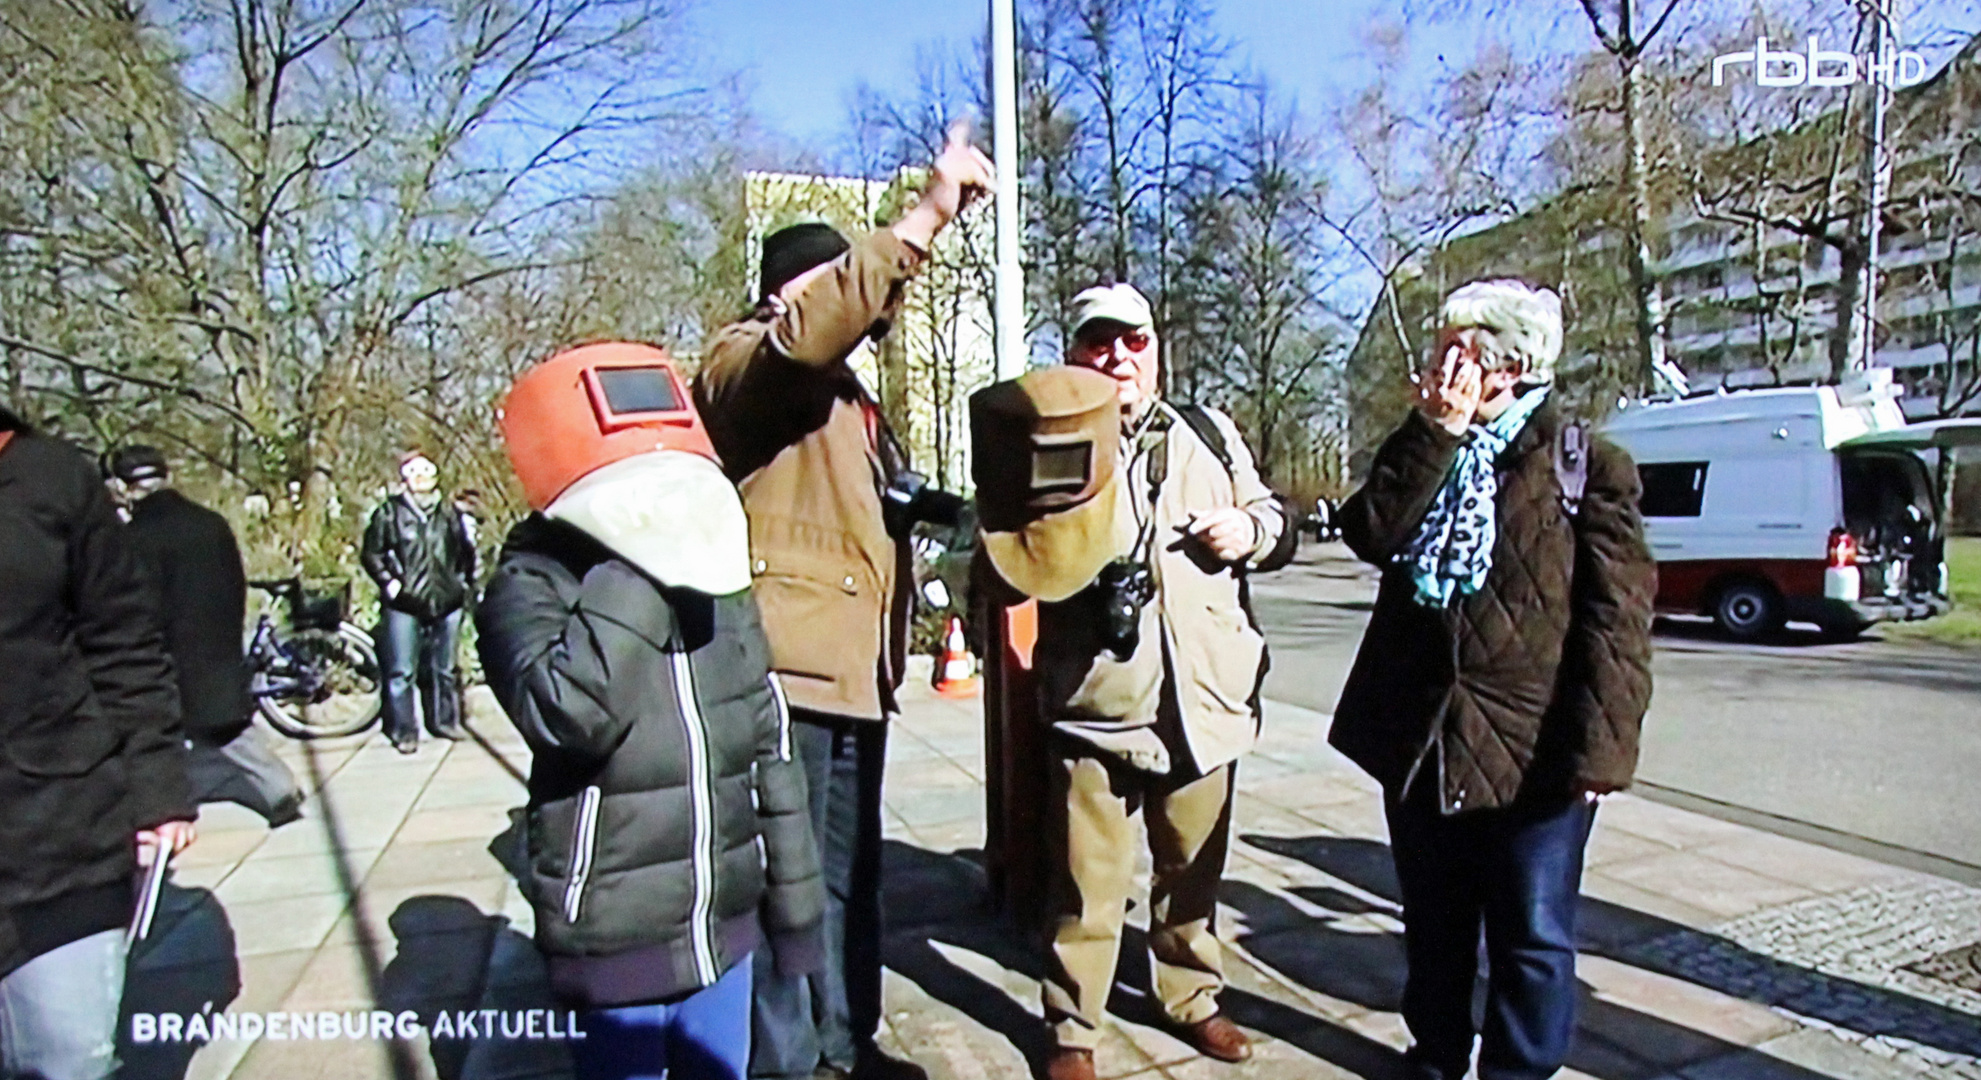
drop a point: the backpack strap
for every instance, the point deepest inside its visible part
(1207, 431)
(1572, 465)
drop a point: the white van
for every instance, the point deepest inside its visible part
(1803, 503)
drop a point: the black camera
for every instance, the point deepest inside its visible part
(1122, 590)
(908, 500)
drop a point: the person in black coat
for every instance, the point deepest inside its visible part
(92, 762)
(420, 552)
(201, 594)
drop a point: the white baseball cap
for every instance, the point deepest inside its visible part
(1121, 303)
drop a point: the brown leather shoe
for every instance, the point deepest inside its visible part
(1219, 1038)
(1067, 1063)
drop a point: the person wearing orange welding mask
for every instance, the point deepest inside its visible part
(669, 832)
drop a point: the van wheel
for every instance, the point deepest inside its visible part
(1747, 610)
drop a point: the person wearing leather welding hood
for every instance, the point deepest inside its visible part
(831, 500)
(668, 824)
(1136, 525)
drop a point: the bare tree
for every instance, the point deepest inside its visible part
(1418, 172)
(1627, 31)
(1272, 334)
(295, 209)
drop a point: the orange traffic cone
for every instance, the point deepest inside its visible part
(956, 672)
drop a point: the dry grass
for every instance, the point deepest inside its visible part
(1962, 626)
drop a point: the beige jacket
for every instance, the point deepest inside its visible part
(791, 422)
(1198, 638)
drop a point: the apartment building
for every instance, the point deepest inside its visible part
(1750, 274)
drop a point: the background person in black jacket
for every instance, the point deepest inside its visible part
(669, 832)
(419, 552)
(91, 758)
(200, 591)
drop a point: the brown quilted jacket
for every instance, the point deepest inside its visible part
(1536, 683)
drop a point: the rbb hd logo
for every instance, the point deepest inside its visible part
(1821, 67)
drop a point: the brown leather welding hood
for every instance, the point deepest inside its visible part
(1045, 452)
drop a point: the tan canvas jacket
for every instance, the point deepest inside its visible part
(789, 419)
(1199, 620)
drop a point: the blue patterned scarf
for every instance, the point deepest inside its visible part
(1453, 550)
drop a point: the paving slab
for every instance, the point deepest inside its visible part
(1814, 867)
(283, 924)
(1804, 1055)
(271, 877)
(221, 849)
(1308, 906)
(454, 823)
(1708, 884)
(408, 864)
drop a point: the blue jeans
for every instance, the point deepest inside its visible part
(58, 1012)
(1519, 873)
(804, 1021)
(416, 659)
(705, 1036)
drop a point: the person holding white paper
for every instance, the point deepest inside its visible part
(92, 763)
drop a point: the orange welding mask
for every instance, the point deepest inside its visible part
(605, 438)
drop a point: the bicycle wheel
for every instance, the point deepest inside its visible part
(334, 688)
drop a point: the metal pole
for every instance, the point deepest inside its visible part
(1877, 174)
(1009, 313)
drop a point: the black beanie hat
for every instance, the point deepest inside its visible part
(794, 249)
(134, 463)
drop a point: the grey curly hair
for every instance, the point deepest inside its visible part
(1518, 325)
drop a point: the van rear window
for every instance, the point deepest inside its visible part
(1672, 488)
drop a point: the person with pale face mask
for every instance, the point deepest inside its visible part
(420, 553)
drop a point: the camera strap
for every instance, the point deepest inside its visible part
(1150, 443)
(884, 451)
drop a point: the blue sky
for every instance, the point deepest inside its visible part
(805, 56)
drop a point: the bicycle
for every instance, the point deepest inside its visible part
(318, 678)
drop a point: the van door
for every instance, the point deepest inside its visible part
(1888, 506)
(1766, 507)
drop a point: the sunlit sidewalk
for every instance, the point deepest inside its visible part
(1712, 951)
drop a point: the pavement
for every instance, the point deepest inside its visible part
(1712, 950)
(1869, 745)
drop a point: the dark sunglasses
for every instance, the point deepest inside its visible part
(1134, 340)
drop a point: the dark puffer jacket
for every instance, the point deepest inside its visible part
(90, 750)
(668, 830)
(1533, 685)
(430, 554)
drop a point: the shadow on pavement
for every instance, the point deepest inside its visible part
(453, 958)
(935, 897)
(186, 966)
(1372, 973)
